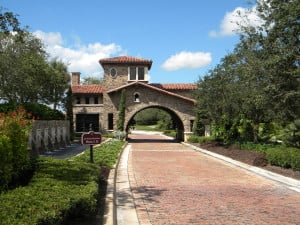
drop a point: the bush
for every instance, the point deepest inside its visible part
(120, 135)
(14, 154)
(36, 110)
(56, 192)
(193, 139)
(200, 139)
(60, 189)
(171, 133)
(258, 147)
(6, 166)
(284, 157)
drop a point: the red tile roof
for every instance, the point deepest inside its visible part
(126, 60)
(153, 88)
(175, 86)
(87, 89)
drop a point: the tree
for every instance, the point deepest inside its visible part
(122, 105)
(25, 73)
(92, 80)
(9, 22)
(68, 106)
(22, 67)
(278, 36)
(57, 80)
(260, 81)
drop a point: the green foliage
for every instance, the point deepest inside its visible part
(105, 155)
(23, 67)
(122, 104)
(57, 80)
(285, 157)
(200, 139)
(259, 82)
(14, 155)
(258, 147)
(69, 111)
(60, 189)
(292, 133)
(6, 166)
(154, 116)
(26, 75)
(8, 21)
(171, 133)
(276, 154)
(92, 80)
(36, 110)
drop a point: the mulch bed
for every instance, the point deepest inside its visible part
(250, 157)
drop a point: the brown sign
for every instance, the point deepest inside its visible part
(91, 138)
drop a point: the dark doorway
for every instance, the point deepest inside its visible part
(110, 120)
(83, 122)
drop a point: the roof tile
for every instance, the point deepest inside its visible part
(87, 89)
(175, 86)
(126, 59)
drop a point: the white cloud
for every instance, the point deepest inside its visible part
(187, 60)
(229, 24)
(79, 58)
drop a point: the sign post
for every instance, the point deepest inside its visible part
(91, 138)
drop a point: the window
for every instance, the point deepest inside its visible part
(113, 72)
(136, 97)
(87, 100)
(78, 100)
(141, 73)
(96, 100)
(132, 73)
(110, 121)
(137, 73)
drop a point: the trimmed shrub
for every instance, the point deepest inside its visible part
(60, 189)
(193, 139)
(284, 157)
(200, 139)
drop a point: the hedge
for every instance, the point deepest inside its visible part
(285, 157)
(59, 189)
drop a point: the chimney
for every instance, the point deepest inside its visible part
(75, 78)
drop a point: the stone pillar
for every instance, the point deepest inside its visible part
(75, 78)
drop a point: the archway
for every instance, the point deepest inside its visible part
(177, 122)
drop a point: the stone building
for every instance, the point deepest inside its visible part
(98, 104)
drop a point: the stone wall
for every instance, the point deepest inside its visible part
(49, 135)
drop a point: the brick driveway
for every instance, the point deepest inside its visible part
(173, 184)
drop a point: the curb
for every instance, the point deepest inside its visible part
(109, 217)
(119, 204)
(291, 183)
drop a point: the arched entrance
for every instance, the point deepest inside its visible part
(177, 122)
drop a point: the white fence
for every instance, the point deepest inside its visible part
(49, 135)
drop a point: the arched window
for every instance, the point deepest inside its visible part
(136, 97)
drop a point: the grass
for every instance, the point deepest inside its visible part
(147, 127)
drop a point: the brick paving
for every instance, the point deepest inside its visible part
(175, 185)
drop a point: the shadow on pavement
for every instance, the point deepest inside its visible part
(147, 140)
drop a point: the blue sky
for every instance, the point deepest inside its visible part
(184, 39)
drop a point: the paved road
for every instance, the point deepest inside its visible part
(173, 184)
